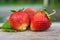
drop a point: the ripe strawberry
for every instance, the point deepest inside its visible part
(19, 20)
(40, 21)
(30, 11)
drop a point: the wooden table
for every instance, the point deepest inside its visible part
(52, 34)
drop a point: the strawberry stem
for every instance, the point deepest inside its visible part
(45, 11)
(52, 13)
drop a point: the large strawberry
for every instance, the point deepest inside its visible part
(19, 20)
(41, 21)
(30, 11)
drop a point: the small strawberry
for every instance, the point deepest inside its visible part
(30, 11)
(19, 20)
(41, 21)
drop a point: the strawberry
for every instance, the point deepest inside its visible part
(19, 20)
(30, 11)
(41, 21)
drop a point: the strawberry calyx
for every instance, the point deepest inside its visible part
(6, 27)
(13, 10)
(18, 10)
(50, 15)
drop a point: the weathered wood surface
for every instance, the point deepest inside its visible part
(52, 34)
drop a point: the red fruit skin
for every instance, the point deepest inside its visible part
(30, 11)
(17, 19)
(40, 22)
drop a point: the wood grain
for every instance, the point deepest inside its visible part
(51, 34)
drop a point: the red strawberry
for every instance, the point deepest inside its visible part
(40, 21)
(19, 20)
(30, 11)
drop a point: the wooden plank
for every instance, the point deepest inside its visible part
(29, 35)
(52, 34)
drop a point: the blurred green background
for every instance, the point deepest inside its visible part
(7, 5)
(51, 3)
(20, 2)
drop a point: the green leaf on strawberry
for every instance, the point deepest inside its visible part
(53, 19)
(7, 27)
